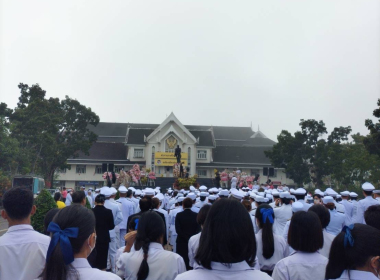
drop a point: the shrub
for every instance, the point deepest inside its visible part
(44, 203)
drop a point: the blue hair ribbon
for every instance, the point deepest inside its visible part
(62, 236)
(137, 223)
(348, 236)
(267, 214)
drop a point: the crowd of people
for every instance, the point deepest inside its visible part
(201, 233)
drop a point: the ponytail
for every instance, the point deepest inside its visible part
(337, 258)
(143, 272)
(265, 216)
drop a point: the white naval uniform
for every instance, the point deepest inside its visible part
(166, 215)
(281, 216)
(69, 199)
(357, 275)
(195, 209)
(349, 209)
(233, 182)
(90, 200)
(220, 271)
(118, 218)
(361, 206)
(281, 250)
(336, 224)
(328, 238)
(306, 206)
(86, 272)
(22, 253)
(127, 209)
(301, 266)
(173, 233)
(163, 264)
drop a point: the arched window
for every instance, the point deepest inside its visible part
(153, 154)
(189, 159)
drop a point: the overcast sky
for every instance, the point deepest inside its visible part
(212, 62)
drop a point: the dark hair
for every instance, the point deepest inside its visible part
(129, 193)
(221, 242)
(247, 205)
(155, 202)
(322, 213)
(78, 196)
(57, 196)
(100, 198)
(285, 200)
(330, 206)
(64, 188)
(372, 216)
(202, 198)
(202, 214)
(267, 231)
(368, 193)
(18, 203)
(151, 228)
(300, 196)
(366, 245)
(187, 202)
(48, 218)
(317, 195)
(133, 222)
(305, 232)
(74, 216)
(145, 204)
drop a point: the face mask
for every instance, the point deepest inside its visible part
(88, 243)
(316, 201)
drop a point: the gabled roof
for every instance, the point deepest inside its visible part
(253, 155)
(136, 135)
(105, 151)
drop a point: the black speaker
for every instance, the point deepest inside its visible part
(265, 171)
(271, 172)
(104, 167)
(110, 167)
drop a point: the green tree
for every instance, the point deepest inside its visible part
(372, 141)
(51, 129)
(44, 203)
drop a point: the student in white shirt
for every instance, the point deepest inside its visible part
(194, 240)
(149, 260)
(73, 239)
(355, 254)
(271, 247)
(227, 247)
(324, 216)
(22, 250)
(306, 238)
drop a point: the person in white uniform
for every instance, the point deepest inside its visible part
(271, 247)
(354, 200)
(233, 182)
(69, 198)
(228, 237)
(355, 254)
(90, 199)
(156, 206)
(306, 238)
(324, 216)
(73, 239)
(300, 194)
(149, 260)
(283, 213)
(118, 218)
(349, 207)
(337, 220)
(363, 204)
(22, 250)
(127, 209)
(172, 215)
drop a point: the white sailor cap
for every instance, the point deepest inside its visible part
(261, 194)
(252, 195)
(331, 192)
(160, 196)
(275, 193)
(107, 192)
(237, 194)
(192, 188)
(269, 196)
(90, 189)
(300, 191)
(292, 191)
(285, 195)
(132, 188)
(246, 194)
(82, 187)
(212, 197)
(368, 187)
(138, 192)
(192, 196)
(180, 199)
(353, 194)
(224, 193)
(114, 191)
(260, 199)
(203, 194)
(297, 206)
(158, 188)
(203, 188)
(122, 189)
(149, 191)
(328, 199)
(69, 190)
(97, 190)
(338, 196)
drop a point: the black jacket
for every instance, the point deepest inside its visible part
(104, 223)
(186, 225)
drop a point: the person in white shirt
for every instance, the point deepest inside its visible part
(363, 204)
(69, 199)
(233, 182)
(324, 216)
(349, 207)
(300, 194)
(73, 239)
(306, 238)
(271, 248)
(90, 199)
(127, 209)
(337, 219)
(283, 213)
(227, 237)
(355, 254)
(149, 260)
(22, 250)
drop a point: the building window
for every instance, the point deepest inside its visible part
(138, 153)
(81, 169)
(98, 169)
(255, 172)
(118, 168)
(202, 154)
(153, 156)
(202, 172)
(189, 159)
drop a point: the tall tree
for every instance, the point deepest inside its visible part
(52, 129)
(372, 141)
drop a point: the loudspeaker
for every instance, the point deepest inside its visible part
(104, 167)
(271, 172)
(265, 171)
(110, 167)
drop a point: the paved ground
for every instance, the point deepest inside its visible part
(3, 226)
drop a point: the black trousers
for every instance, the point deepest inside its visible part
(183, 251)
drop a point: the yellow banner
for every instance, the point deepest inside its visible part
(161, 155)
(168, 162)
